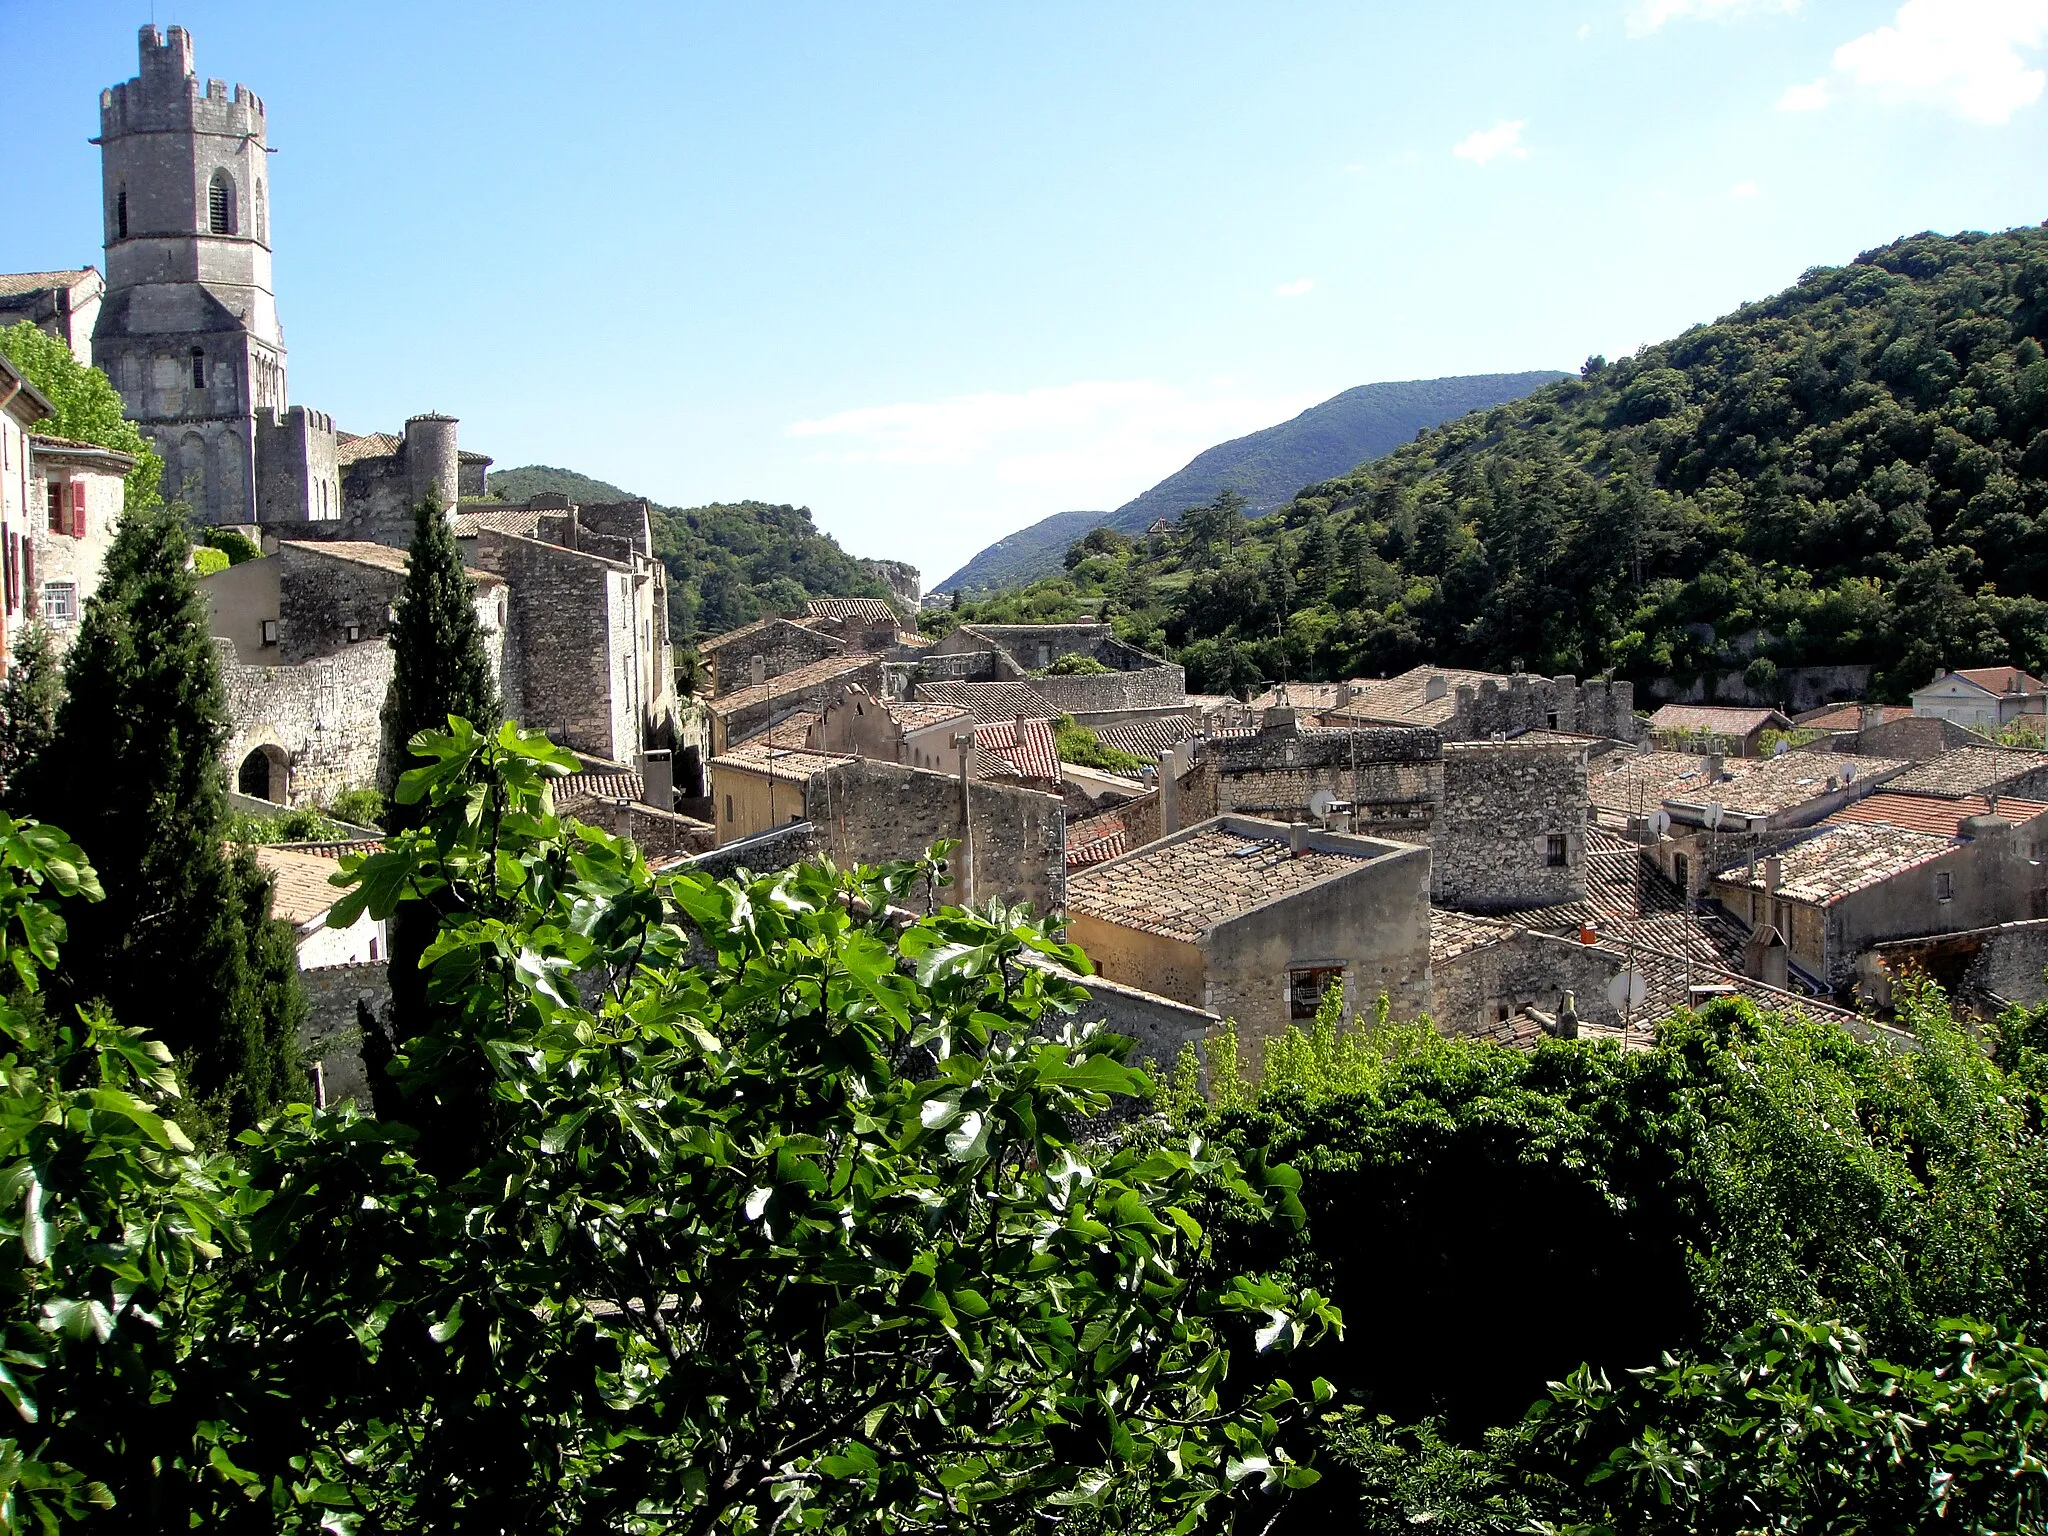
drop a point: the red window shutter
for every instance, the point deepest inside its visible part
(10, 560)
(30, 593)
(78, 509)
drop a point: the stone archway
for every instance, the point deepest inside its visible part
(265, 774)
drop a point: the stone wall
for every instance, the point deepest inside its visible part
(661, 836)
(1393, 774)
(1161, 1026)
(570, 623)
(867, 812)
(937, 666)
(1563, 703)
(763, 854)
(779, 645)
(1483, 986)
(1916, 738)
(321, 596)
(380, 491)
(298, 478)
(332, 1035)
(1793, 690)
(1502, 803)
(1153, 687)
(325, 715)
(735, 725)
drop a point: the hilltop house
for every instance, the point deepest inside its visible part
(1982, 698)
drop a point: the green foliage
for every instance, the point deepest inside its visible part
(232, 542)
(1855, 470)
(1794, 1427)
(209, 562)
(1075, 665)
(133, 769)
(733, 562)
(1077, 744)
(439, 666)
(89, 410)
(28, 705)
(362, 807)
(299, 824)
(784, 1221)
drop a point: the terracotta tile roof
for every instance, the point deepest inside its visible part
(1768, 786)
(1185, 885)
(1625, 784)
(1002, 751)
(1093, 839)
(792, 765)
(1406, 698)
(1924, 813)
(13, 283)
(351, 446)
(615, 784)
(1303, 696)
(719, 642)
(1849, 717)
(384, 557)
(795, 681)
(790, 731)
(919, 715)
(1968, 771)
(1628, 898)
(1715, 719)
(299, 891)
(334, 850)
(990, 701)
(1999, 679)
(522, 521)
(1148, 739)
(914, 642)
(1840, 860)
(1452, 934)
(868, 610)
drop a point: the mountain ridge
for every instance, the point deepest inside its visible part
(1266, 467)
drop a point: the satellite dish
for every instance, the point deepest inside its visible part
(1320, 802)
(1627, 991)
(1781, 748)
(1848, 771)
(1660, 823)
(1713, 816)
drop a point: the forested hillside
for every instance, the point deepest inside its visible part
(1853, 470)
(729, 562)
(1266, 467)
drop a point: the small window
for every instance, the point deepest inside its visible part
(198, 369)
(1555, 850)
(270, 631)
(1551, 718)
(354, 632)
(1305, 988)
(728, 809)
(121, 214)
(59, 507)
(60, 601)
(1944, 886)
(220, 204)
(373, 949)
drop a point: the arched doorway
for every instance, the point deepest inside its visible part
(264, 775)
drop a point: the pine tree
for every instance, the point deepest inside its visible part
(438, 668)
(438, 665)
(28, 707)
(182, 945)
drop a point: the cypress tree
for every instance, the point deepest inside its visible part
(28, 708)
(182, 946)
(438, 668)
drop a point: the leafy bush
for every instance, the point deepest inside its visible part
(362, 807)
(1075, 665)
(237, 545)
(1077, 744)
(299, 824)
(207, 561)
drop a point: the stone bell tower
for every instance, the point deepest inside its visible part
(188, 332)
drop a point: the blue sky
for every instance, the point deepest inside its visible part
(939, 270)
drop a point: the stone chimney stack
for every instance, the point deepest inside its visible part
(1169, 791)
(1297, 839)
(757, 670)
(658, 778)
(1717, 768)
(1772, 873)
(1872, 717)
(1434, 687)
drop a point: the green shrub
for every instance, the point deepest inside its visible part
(1078, 744)
(207, 561)
(233, 543)
(363, 807)
(1073, 664)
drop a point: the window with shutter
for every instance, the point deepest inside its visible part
(78, 509)
(220, 204)
(54, 499)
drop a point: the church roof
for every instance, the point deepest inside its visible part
(351, 446)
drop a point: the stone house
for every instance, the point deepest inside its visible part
(81, 495)
(22, 406)
(1732, 731)
(63, 304)
(1510, 829)
(859, 724)
(1476, 706)
(1984, 699)
(754, 653)
(1252, 919)
(1984, 971)
(1977, 770)
(1136, 683)
(1904, 869)
(747, 712)
(301, 895)
(1012, 840)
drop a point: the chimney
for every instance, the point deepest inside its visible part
(1434, 687)
(1297, 839)
(1169, 792)
(658, 779)
(1716, 768)
(1278, 718)
(1772, 872)
(963, 861)
(757, 670)
(1343, 694)
(1873, 716)
(1568, 1017)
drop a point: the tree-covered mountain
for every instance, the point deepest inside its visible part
(1265, 467)
(1855, 470)
(729, 562)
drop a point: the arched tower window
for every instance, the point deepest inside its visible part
(121, 214)
(220, 204)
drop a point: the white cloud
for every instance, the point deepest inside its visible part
(1295, 289)
(1804, 98)
(1094, 443)
(1963, 56)
(1503, 138)
(1743, 191)
(1648, 15)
